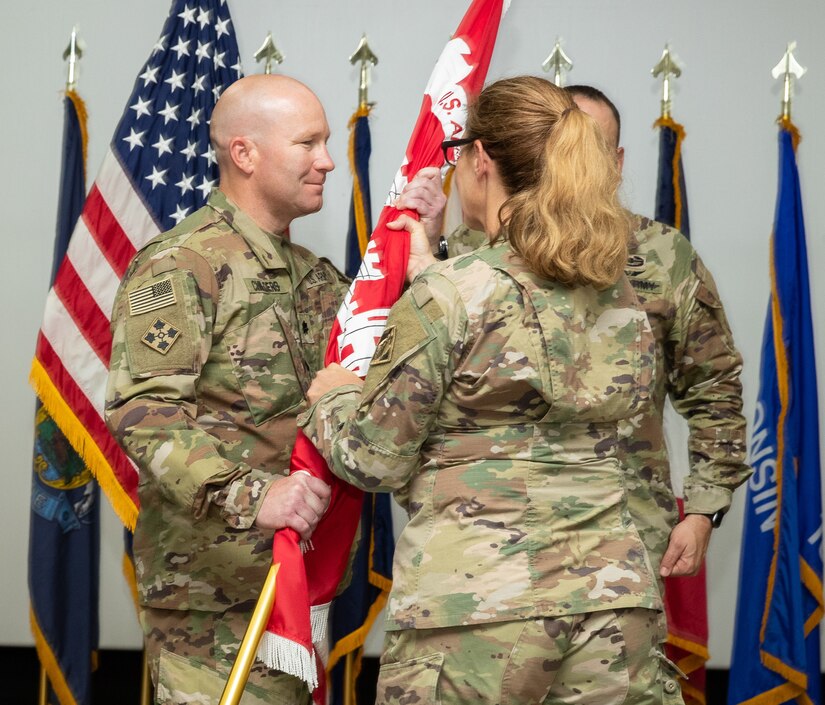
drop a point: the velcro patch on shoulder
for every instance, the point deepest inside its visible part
(424, 300)
(406, 334)
(152, 297)
(316, 277)
(383, 351)
(161, 266)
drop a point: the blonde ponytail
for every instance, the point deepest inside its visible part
(563, 215)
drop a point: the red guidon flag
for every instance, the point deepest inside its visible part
(307, 583)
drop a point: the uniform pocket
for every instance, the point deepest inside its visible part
(413, 681)
(262, 361)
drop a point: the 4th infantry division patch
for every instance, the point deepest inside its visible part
(161, 336)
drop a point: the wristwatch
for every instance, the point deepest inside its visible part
(442, 253)
(715, 518)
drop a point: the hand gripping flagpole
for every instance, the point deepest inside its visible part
(559, 63)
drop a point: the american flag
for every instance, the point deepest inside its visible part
(160, 167)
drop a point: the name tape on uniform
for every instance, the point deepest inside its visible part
(152, 297)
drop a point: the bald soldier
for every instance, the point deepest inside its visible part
(699, 370)
(218, 327)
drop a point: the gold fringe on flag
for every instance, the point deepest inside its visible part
(49, 663)
(83, 443)
(82, 118)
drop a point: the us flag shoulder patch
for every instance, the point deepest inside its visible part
(152, 297)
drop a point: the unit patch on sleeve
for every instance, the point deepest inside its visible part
(154, 296)
(161, 336)
(383, 351)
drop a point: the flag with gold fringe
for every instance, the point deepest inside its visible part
(776, 646)
(355, 610)
(159, 168)
(685, 597)
(307, 584)
(64, 530)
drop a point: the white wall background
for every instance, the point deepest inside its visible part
(726, 99)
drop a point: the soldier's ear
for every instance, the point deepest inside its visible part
(242, 153)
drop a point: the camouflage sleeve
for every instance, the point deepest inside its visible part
(161, 338)
(373, 441)
(703, 383)
(463, 240)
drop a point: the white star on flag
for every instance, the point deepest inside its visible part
(135, 139)
(195, 118)
(218, 59)
(162, 145)
(190, 150)
(181, 48)
(150, 75)
(185, 184)
(209, 155)
(170, 112)
(188, 15)
(221, 27)
(160, 44)
(203, 18)
(179, 214)
(175, 81)
(202, 52)
(141, 107)
(157, 177)
(197, 84)
(206, 186)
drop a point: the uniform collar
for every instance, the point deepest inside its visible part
(269, 248)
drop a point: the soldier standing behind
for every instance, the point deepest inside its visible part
(494, 408)
(218, 327)
(698, 367)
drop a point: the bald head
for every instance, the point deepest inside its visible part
(249, 105)
(270, 137)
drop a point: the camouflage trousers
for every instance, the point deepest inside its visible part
(600, 658)
(190, 654)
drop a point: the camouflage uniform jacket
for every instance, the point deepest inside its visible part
(698, 367)
(505, 456)
(218, 327)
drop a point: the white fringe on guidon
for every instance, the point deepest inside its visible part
(290, 657)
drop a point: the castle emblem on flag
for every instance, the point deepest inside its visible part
(160, 336)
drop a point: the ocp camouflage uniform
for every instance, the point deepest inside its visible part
(697, 366)
(217, 328)
(493, 408)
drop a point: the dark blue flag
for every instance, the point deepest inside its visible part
(776, 642)
(64, 537)
(360, 218)
(671, 196)
(354, 611)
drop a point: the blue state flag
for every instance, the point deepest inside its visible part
(64, 536)
(776, 643)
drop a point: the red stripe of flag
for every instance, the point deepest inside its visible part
(115, 246)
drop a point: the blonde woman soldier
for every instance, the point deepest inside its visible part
(493, 409)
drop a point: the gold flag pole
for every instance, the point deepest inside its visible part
(239, 674)
(364, 54)
(558, 62)
(788, 69)
(268, 53)
(666, 68)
